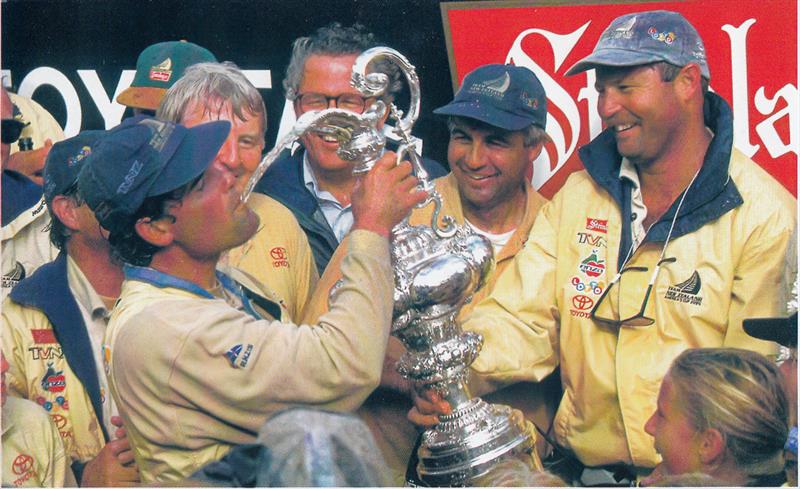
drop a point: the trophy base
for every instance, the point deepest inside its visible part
(468, 442)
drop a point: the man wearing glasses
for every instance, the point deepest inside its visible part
(313, 181)
(25, 243)
(668, 240)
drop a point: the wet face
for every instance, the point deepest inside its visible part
(641, 110)
(675, 438)
(489, 163)
(212, 204)
(241, 152)
(328, 76)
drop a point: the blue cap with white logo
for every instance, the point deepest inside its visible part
(506, 96)
(647, 37)
(145, 157)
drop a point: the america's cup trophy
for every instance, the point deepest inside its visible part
(437, 269)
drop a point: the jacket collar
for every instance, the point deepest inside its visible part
(164, 280)
(48, 290)
(284, 181)
(713, 193)
(19, 195)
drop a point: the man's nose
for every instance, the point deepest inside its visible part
(228, 155)
(475, 157)
(607, 105)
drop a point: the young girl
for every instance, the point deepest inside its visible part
(722, 412)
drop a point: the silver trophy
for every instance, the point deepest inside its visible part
(437, 269)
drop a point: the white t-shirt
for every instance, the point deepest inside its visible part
(498, 240)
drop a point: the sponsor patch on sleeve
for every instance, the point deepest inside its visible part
(43, 336)
(239, 355)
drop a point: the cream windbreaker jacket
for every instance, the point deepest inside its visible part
(734, 246)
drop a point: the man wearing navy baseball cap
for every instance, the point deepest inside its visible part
(497, 128)
(667, 241)
(54, 322)
(196, 366)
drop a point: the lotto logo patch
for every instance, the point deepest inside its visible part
(666, 37)
(599, 225)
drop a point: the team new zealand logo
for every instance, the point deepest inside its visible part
(53, 381)
(13, 277)
(687, 291)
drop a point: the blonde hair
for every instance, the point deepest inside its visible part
(741, 394)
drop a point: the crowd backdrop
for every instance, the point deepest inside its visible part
(74, 57)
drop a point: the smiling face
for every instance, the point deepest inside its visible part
(330, 76)
(489, 163)
(675, 438)
(641, 110)
(211, 218)
(241, 151)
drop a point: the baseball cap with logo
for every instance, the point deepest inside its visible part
(647, 37)
(158, 68)
(506, 96)
(145, 157)
(64, 162)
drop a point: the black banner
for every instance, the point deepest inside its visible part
(71, 55)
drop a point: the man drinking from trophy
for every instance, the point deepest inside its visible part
(202, 367)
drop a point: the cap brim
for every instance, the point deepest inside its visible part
(612, 57)
(485, 113)
(781, 330)
(194, 154)
(148, 98)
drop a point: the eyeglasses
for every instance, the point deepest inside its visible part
(11, 129)
(318, 101)
(619, 312)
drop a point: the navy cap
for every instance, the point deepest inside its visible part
(647, 37)
(781, 330)
(144, 157)
(65, 161)
(505, 96)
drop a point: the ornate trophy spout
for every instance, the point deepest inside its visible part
(437, 269)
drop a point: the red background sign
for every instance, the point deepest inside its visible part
(752, 54)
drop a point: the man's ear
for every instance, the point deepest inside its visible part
(712, 446)
(535, 150)
(64, 209)
(688, 82)
(157, 232)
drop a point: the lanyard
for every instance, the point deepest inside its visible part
(162, 280)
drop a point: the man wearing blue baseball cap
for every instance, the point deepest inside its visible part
(54, 322)
(665, 242)
(497, 128)
(196, 366)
